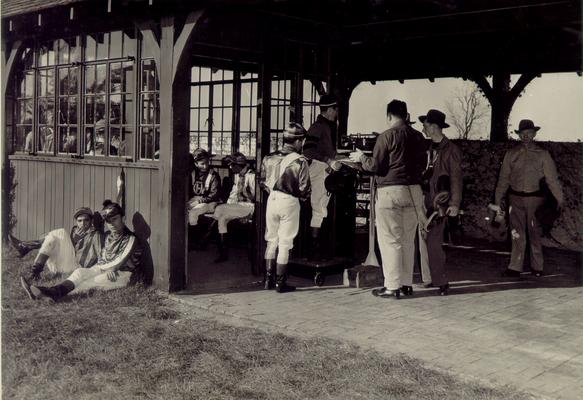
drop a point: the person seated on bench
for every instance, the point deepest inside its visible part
(285, 176)
(205, 186)
(241, 201)
(118, 261)
(63, 252)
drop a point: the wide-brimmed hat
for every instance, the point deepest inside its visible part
(83, 211)
(235, 158)
(294, 131)
(200, 154)
(328, 100)
(434, 117)
(526, 124)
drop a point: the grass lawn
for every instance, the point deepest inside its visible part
(135, 344)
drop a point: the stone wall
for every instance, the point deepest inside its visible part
(481, 165)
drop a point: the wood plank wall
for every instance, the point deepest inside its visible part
(48, 193)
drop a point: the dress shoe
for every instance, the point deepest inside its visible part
(444, 290)
(386, 293)
(407, 290)
(510, 273)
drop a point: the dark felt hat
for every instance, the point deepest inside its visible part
(83, 211)
(328, 100)
(235, 158)
(200, 154)
(111, 209)
(434, 117)
(526, 124)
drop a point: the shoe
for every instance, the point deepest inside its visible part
(281, 286)
(269, 282)
(538, 274)
(444, 290)
(386, 293)
(223, 249)
(19, 246)
(407, 290)
(510, 273)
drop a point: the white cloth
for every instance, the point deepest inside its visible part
(319, 198)
(282, 222)
(92, 278)
(198, 210)
(396, 220)
(58, 246)
(224, 213)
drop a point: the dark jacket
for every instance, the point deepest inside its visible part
(447, 161)
(207, 185)
(295, 179)
(398, 157)
(319, 144)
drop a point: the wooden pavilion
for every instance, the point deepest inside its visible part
(93, 87)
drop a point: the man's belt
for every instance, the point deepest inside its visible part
(537, 193)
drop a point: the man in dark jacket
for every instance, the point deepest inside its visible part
(320, 149)
(397, 161)
(443, 197)
(285, 175)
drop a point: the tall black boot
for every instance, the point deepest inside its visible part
(315, 253)
(280, 282)
(32, 272)
(223, 248)
(269, 274)
(22, 247)
(193, 234)
(57, 291)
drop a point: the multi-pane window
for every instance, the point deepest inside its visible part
(76, 95)
(310, 109)
(150, 111)
(24, 105)
(248, 113)
(280, 110)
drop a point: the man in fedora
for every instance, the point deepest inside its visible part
(241, 201)
(63, 251)
(397, 162)
(523, 169)
(204, 189)
(442, 196)
(320, 149)
(285, 176)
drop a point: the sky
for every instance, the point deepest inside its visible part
(553, 101)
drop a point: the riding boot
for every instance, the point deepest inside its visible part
(223, 248)
(193, 237)
(315, 253)
(22, 247)
(269, 274)
(32, 272)
(57, 291)
(280, 281)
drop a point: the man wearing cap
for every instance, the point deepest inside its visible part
(204, 188)
(397, 161)
(442, 197)
(523, 169)
(241, 201)
(61, 251)
(285, 176)
(118, 261)
(320, 149)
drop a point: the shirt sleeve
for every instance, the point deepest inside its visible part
(503, 180)
(456, 177)
(379, 157)
(305, 184)
(263, 176)
(552, 178)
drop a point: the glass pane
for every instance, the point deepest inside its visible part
(148, 75)
(115, 109)
(195, 74)
(100, 78)
(114, 141)
(194, 126)
(228, 94)
(50, 74)
(99, 139)
(245, 124)
(73, 79)
(129, 43)
(128, 110)
(29, 85)
(216, 74)
(46, 139)
(253, 119)
(205, 74)
(89, 142)
(203, 141)
(27, 112)
(99, 113)
(63, 51)
(75, 49)
(73, 110)
(46, 108)
(23, 139)
(204, 96)
(147, 143)
(89, 111)
(157, 144)
(157, 109)
(148, 109)
(194, 93)
(217, 124)
(115, 43)
(90, 48)
(27, 58)
(128, 77)
(217, 95)
(63, 117)
(115, 78)
(204, 115)
(67, 140)
(43, 55)
(228, 75)
(102, 40)
(127, 142)
(228, 119)
(90, 79)
(246, 93)
(63, 81)
(52, 54)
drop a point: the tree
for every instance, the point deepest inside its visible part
(467, 110)
(501, 97)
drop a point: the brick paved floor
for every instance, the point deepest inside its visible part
(526, 333)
